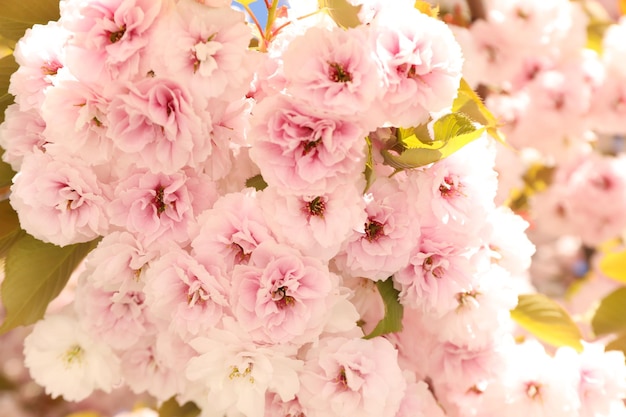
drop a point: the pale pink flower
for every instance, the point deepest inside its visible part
(303, 149)
(352, 377)
(76, 121)
(602, 378)
(183, 294)
(436, 272)
(59, 200)
(422, 65)
(419, 401)
(118, 319)
(205, 48)
(390, 233)
(154, 121)
(108, 37)
(21, 134)
(235, 374)
(334, 70)
(153, 206)
(534, 384)
(118, 263)
(230, 230)
(68, 362)
(281, 296)
(40, 55)
(154, 365)
(316, 225)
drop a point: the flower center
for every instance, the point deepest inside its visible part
(315, 207)
(51, 68)
(116, 36)
(342, 379)
(203, 56)
(374, 230)
(281, 298)
(337, 73)
(158, 200)
(74, 355)
(236, 373)
(196, 294)
(450, 187)
(533, 390)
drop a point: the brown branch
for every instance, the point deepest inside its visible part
(477, 9)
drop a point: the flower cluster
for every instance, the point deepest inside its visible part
(139, 123)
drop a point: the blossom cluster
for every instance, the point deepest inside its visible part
(139, 121)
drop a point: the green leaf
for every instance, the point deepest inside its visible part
(257, 182)
(171, 408)
(470, 104)
(610, 316)
(619, 343)
(452, 132)
(613, 265)
(17, 16)
(547, 320)
(7, 67)
(392, 321)
(342, 12)
(368, 172)
(10, 229)
(35, 273)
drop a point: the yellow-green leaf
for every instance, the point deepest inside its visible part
(17, 16)
(10, 229)
(368, 172)
(7, 67)
(452, 132)
(613, 265)
(171, 408)
(547, 320)
(35, 273)
(610, 316)
(470, 104)
(427, 8)
(392, 321)
(619, 343)
(342, 12)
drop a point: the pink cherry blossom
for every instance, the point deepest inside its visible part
(183, 294)
(281, 296)
(352, 377)
(21, 134)
(154, 206)
(154, 121)
(390, 233)
(422, 65)
(302, 149)
(109, 37)
(316, 225)
(40, 55)
(59, 200)
(334, 70)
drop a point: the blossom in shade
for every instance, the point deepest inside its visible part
(184, 295)
(68, 362)
(352, 377)
(281, 296)
(59, 200)
(21, 134)
(236, 374)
